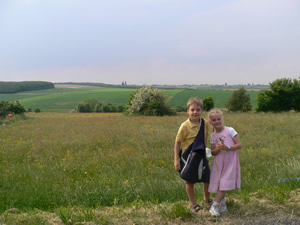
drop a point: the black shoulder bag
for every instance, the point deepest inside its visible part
(193, 162)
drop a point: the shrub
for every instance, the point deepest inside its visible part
(97, 108)
(239, 101)
(106, 108)
(120, 108)
(283, 96)
(208, 103)
(11, 107)
(37, 110)
(150, 102)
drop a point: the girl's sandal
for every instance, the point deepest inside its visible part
(197, 208)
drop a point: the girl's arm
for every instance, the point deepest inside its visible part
(176, 155)
(237, 144)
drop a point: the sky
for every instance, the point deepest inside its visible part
(146, 42)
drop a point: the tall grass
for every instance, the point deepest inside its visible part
(60, 160)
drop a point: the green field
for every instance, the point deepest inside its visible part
(66, 99)
(63, 162)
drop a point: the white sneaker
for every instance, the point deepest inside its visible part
(215, 209)
(223, 206)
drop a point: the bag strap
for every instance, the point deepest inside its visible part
(198, 142)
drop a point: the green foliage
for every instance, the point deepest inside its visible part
(208, 103)
(11, 107)
(98, 108)
(92, 105)
(4, 108)
(15, 87)
(37, 110)
(120, 108)
(283, 96)
(106, 108)
(150, 102)
(239, 101)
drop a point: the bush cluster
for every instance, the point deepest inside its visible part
(7, 107)
(148, 101)
(92, 105)
(284, 95)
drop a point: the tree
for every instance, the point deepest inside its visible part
(208, 103)
(92, 102)
(37, 110)
(239, 101)
(284, 95)
(120, 108)
(7, 107)
(4, 108)
(98, 108)
(106, 108)
(16, 108)
(148, 101)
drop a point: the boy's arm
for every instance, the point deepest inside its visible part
(176, 155)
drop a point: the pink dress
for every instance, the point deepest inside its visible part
(225, 173)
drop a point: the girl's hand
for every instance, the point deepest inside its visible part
(222, 146)
(219, 146)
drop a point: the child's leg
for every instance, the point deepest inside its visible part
(220, 195)
(191, 193)
(206, 193)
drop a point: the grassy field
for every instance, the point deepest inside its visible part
(66, 99)
(107, 167)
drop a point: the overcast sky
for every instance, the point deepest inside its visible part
(150, 41)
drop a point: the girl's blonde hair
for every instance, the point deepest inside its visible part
(214, 111)
(195, 101)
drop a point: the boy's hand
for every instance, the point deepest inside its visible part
(177, 165)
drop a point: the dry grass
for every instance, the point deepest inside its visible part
(254, 212)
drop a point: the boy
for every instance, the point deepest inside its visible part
(185, 138)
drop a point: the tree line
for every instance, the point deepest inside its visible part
(283, 95)
(92, 105)
(15, 87)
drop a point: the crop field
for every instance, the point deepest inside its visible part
(59, 162)
(66, 99)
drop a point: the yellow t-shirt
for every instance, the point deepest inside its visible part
(188, 131)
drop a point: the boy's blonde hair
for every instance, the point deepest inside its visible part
(195, 101)
(214, 111)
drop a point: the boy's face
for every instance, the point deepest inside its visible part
(194, 112)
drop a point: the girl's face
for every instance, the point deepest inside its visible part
(216, 120)
(194, 112)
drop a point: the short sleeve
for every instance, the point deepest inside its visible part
(232, 132)
(180, 134)
(211, 140)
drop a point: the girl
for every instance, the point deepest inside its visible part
(225, 174)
